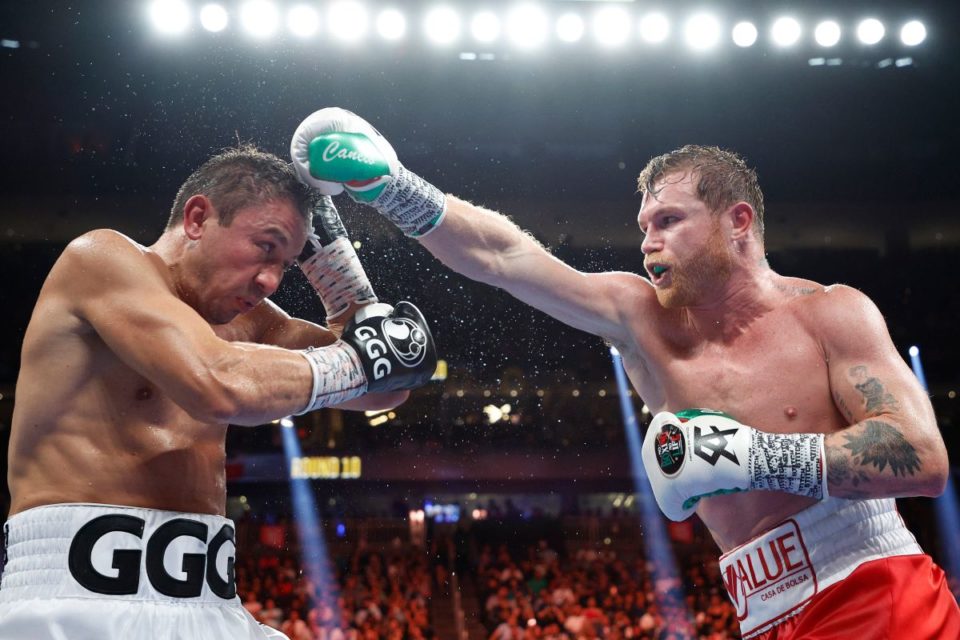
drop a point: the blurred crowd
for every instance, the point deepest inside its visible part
(532, 592)
(365, 595)
(543, 594)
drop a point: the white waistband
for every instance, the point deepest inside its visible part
(108, 551)
(773, 576)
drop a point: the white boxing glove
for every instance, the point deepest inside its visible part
(335, 150)
(343, 148)
(698, 453)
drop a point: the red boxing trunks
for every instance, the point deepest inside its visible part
(840, 569)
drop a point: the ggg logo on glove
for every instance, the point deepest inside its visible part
(407, 341)
(671, 449)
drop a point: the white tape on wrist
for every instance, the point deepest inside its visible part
(412, 203)
(792, 462)
(337, 276)
(337, 376)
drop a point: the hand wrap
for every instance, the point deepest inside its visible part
(331, 264)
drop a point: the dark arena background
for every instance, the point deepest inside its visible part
(499, 501)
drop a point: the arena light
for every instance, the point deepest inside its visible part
(702, 31)
(654, 28)
(485, 27)
(744, 34)
(827, 33)
(570, 27)
(214, 18)
(611, 26)
(870, 31)
(260, 18)
(391, 25)
(945, 506)
(303, 21)
(656, 542)
(442, 25)
(497, 414)
(785, 31)
(306, 517)
(527, 26)
(170, 17)
(348, 21)
(913, 33)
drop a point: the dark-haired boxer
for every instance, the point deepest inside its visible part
(135, 361)
(802, 503)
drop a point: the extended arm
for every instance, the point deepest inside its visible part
(487, 246)
(334, 149)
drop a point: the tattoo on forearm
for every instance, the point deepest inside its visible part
(842, 405)
(878, 445)
(876, 397)
(839, 470)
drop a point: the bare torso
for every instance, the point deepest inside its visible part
(769, 373)
(87, 428)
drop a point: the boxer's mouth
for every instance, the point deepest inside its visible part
(657, 271)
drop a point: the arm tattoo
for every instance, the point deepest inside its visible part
(796, 290)
(876, 397)
(842, 405)
(879, 445)
(840, 471)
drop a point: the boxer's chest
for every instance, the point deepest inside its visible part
(773, 375)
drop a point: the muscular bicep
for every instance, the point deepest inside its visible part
(868, 377)
(893, 444)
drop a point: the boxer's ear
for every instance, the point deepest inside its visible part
(197, 211)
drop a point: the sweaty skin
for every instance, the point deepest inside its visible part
(716, 327)
(136, 359)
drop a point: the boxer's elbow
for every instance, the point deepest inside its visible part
(937, 476)
(934, 467)
(214, 397)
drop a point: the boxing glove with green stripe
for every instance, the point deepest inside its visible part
(335, 150)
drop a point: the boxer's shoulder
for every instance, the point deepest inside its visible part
(103, 261)
(105, 256)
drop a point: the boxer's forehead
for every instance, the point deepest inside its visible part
(674, 190)
(278, 218)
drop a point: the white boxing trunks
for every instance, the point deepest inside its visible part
(774, 576)
(104, 572)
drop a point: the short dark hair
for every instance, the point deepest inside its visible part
(723, 178)
(240, 177)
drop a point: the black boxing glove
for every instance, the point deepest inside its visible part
(382, 348)
(395, 346)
